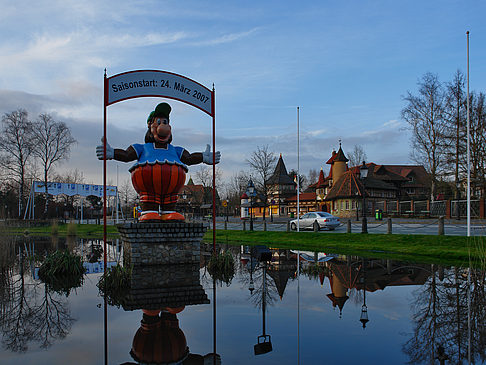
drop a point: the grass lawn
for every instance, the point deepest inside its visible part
(447, 250)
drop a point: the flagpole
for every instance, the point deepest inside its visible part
(213, 104)
(468, 148)
(468, 209)
(298, 168)
(298, 230)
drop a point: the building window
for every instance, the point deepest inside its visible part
(353, 205)
(347, 204)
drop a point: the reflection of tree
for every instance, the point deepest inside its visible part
(29, 312)
(51, 320)
(440, 318)
(264, 292)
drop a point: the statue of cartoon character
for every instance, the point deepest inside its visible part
(160, 171)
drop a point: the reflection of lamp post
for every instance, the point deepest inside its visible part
(364, 309)
(251, 191)
(264, 344)
(363, 174)
(252, 284)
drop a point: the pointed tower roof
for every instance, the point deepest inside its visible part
(321, 180)
(280, 175)
(190, 182)
(337, 156)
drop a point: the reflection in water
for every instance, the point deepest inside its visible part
(29, 311)
(437, 331)
(441, 317)
(162, 292)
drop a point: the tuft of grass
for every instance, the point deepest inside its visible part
(221, 267)
(62, 271)
(72, 229)
(54, 228)
(115, 284)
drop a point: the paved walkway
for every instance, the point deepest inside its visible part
(399, 225)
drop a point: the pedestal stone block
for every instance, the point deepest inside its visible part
(161, 243)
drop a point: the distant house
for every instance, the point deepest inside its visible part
(281, 187)
(196, 199)
(344, 190)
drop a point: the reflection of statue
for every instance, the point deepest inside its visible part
(159, 340)
(160, 171)
(162, 292)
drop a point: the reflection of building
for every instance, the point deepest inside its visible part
(346, 275)
(281, 269)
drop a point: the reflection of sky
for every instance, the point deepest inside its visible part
(324, 336)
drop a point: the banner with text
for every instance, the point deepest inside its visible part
(56, 188)
(141, 83)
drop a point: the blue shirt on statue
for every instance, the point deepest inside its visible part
(149, 154)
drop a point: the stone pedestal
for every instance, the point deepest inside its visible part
(161, 243)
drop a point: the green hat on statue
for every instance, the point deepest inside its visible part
(162, 110)
(151, 115)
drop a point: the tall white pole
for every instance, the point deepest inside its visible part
(298, 172)
(468, 148)
(298, 230)
(468, 211)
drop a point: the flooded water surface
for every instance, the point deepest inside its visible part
(264, 306)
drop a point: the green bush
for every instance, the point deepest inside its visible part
(62, 271)
(72, 229)
(222, 267)
(54, 228)
(115, 284)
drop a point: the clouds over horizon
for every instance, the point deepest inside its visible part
(345, 64)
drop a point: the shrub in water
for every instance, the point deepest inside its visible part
(71, 229)
(222, 267)
(54, 228)
(62, 271)
(115, 284)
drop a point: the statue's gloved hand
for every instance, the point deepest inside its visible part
(110, 152)
(208, 156)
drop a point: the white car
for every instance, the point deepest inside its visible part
(313, 220)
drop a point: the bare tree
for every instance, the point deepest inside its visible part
(302, 179)
(455, 118)
(357, 155)
(262, 162)
(204, 176)
(424, 115)
(477, 143)
(16, 147)
(53, 141)
(312, 176)
(235, 188)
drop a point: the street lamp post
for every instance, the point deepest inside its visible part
(271, 210)
(251, 193)
(363, 174)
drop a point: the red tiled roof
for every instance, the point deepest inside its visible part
(303, 197)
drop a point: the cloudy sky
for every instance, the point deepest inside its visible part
(346, 64)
